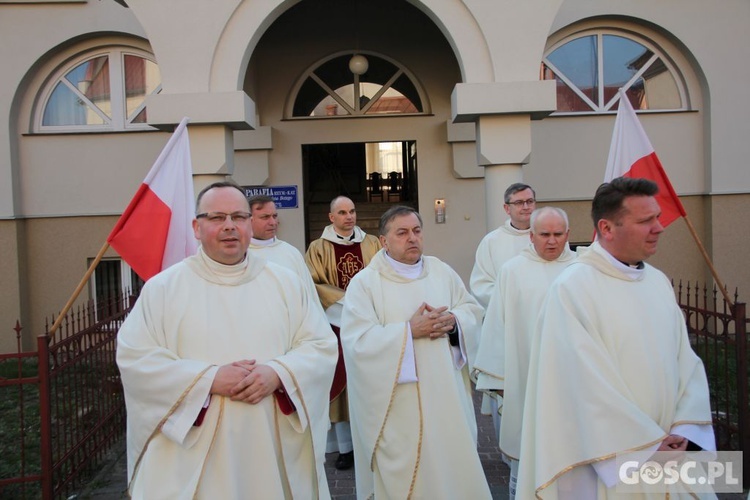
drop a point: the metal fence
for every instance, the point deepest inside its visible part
(63, 406)
(719, 335)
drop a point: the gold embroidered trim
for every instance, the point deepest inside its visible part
(421, 429)
(390, 401)
(593, 460)
(163, 420)
(693, 422)
(493, 375)
(508, 455)
(208, 453)
(309, 423)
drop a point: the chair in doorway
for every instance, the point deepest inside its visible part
(395, 185)
(375, 188)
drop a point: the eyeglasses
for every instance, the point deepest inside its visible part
(520, 203)
(221, 217)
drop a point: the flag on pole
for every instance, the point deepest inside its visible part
(155, 230)
(631, 155)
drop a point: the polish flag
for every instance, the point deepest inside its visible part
(631, 155)
(155, 230)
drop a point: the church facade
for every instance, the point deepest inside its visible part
(444, 102)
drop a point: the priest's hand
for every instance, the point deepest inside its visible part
(262, 381)
(673, 442)
(230, 375)
(432, 322)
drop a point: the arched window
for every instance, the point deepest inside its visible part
(591, 66)
(330, 89)
(103, 89)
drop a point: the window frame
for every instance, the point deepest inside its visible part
(309, 73)
(118, 122)
(658, 51)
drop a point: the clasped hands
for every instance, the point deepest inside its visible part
(432, 322)
(245, 380)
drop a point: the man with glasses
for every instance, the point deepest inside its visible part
(342, 251)
(264, 243)
(504, 243)
(226, 362)
(495, 249)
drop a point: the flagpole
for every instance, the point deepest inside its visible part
(78, 289)
(702, 249)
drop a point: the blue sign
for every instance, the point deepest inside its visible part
(283, 196)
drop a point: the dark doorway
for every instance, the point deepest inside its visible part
(374, 175)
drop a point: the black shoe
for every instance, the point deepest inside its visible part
(345, 461)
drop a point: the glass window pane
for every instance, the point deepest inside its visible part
(346, 93)
(335, 73)
(623, 58)
(328, 107)
(392, 101)
(92, 80)
(406, 87)
(142, 117)
(577, 60)
(567, 99)
(660, 88)
(142, 78)
(308, 97)
(64, 107)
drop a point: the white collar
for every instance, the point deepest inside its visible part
(410, 271)
(263, 243)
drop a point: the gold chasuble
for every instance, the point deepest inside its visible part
(333, 261)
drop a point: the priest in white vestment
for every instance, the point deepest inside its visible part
(612, 370)
(508, 329)
(226, 361)
(264, 242)
(409, 327)
(495, 249)
(499, 246)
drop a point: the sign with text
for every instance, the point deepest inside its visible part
(283, 196)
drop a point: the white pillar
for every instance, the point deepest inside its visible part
(503, 147)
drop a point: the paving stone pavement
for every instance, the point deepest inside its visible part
(111, 482)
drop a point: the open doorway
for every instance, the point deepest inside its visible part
(374, 175)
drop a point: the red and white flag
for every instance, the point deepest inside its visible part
(155, 230)
(631, 155)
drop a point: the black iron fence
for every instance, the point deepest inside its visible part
(719, 335)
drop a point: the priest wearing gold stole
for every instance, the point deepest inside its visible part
(226, 361)
(502, 363)
(409, 328)
(340, 253)
(611, 370)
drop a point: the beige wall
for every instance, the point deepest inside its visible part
(60, 249)
(13, 305)
(727, 217)
(84, 174)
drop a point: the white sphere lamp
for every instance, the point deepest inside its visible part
(358, 64)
